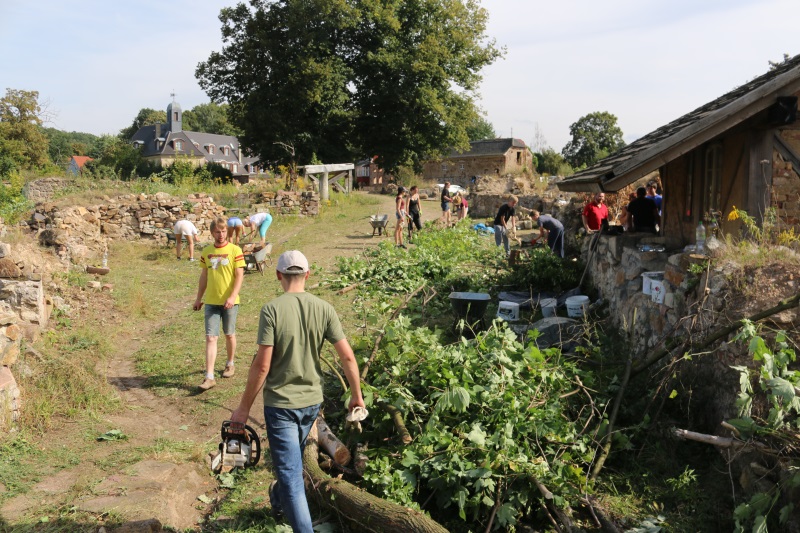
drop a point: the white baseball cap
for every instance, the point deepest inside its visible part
(292, 262)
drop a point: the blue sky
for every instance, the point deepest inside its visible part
(96, 63)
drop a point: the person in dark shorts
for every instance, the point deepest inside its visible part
(414, 211)
(446, 201)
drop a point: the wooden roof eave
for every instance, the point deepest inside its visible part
(688, 138)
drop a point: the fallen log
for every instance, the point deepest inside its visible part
(721, 442)
(399, 423)
(361, 510)
(331, 444)
(348, 288)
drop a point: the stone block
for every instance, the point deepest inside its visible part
(5, 249)
(673, 276)
(9, 269)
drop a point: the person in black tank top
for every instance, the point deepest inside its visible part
(414, 212)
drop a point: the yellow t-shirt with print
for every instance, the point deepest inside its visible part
(221, 264)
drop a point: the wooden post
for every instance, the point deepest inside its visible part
(323, 186)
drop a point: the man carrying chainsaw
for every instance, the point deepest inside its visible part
(292, 329)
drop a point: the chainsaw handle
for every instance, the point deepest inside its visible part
(239, 428)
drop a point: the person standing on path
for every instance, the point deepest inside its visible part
(260, 221)
(446, 200)
(505, 215)
(552, 229)
(185, 228)
(400, 215)
(414, 212)
(291, 332)
(220, 281)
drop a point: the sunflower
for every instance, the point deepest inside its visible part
(734, 214)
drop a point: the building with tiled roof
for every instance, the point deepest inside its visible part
(738, 150)
(76, 163)
(164, 143)
(486, 157)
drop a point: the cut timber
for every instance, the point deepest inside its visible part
(399, 424)
(361, 510)
(102, 271)
(332, 445)
(348, 288)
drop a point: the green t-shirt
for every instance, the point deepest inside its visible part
(296, 325)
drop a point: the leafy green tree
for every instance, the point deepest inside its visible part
(550, 162)
(64, 145)
(145, 117)
(209, 118)
(594, 136)
(481, 129)
(337, 78)
(23, 145)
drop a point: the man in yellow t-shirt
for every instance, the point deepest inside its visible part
(220, 281)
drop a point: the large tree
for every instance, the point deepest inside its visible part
(594, 136)
(209, 118)
(340, 78)
(22, 142)
(145, 117)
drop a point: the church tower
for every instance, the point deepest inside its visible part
(174, 116)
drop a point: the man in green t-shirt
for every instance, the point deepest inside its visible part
(220, 280)
(291, 331)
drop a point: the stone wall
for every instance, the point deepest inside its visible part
(43, 190)
(304, 203)
(10, 401)
(786, 189)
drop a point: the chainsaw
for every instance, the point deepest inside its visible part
(240, 447)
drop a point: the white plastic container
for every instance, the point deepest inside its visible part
(647, 281)
(548, 307)
(658, 290)
(577, 306)
(508, 311)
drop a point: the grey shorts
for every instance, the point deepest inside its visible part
(216, 313)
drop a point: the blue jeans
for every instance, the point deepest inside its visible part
(287, 430)
(501, 236)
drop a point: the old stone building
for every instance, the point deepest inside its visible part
(487, 157)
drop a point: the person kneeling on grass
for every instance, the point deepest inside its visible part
(292, 329)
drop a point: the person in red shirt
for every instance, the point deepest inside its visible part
(594, 213)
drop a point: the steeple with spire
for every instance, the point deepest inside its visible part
(174, 116)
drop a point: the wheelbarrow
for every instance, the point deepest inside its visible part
(378, 223)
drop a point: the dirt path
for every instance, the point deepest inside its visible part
(152, 482)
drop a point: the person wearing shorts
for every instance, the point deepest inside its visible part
(261, 221)
(235, 229)
(185, 228)
(446, 200)
(220, 281)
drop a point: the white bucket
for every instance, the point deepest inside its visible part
(508, 311)
(647, 280)
(577, 306)
(548, 307)
(658, 290)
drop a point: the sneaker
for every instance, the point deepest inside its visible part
(277, 510)
(178, 258)
(208, 383)
(228, 372)
(192, 259)
(403, 246)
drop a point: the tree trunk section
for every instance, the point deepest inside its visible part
(361, 510)
(332, 445)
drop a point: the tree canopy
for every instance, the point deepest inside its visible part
(594, 136)
(209, 118)
(22, 143)
(480, 129)
(145, 117)
(345, 78)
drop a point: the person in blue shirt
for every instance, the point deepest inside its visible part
(652, 193)
(551, 229)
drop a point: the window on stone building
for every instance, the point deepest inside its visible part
(461, 166)
(178, 145)
(444, 167)
(211, 149)
(519, 158)
(235, 169)
(175, 116)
